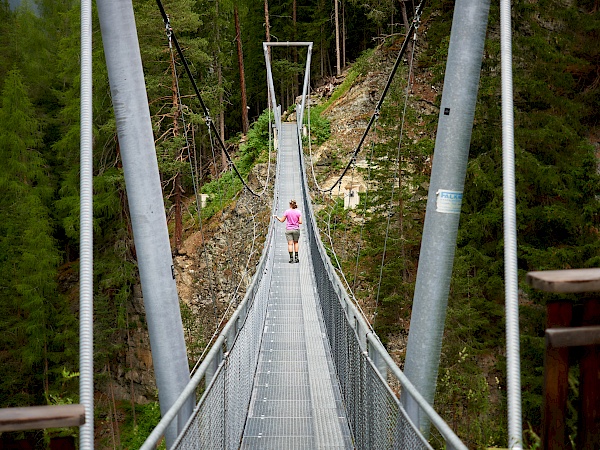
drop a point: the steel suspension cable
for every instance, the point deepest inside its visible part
(209, 121)
(398, 174)
(352, 161)
(170, 35)
(364, 216)
(211, 128)
(413, 26)
(231, 302)
(322, 193)
(250, 253)
(515, 428)
(86, 232)
(244, 272)
(221, 196)
(194, 174)
(343, 276)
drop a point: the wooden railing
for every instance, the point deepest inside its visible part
(39, 417)
(571, 334)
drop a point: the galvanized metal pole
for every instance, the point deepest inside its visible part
(270, 84)
(444, 201)
(511, 283)
(144, 192)
(305, 86)
(86, 235)
(271, 87)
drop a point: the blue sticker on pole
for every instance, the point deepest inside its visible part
(448, 202)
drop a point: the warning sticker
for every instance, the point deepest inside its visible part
(448, 201)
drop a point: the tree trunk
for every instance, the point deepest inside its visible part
(238, 39)
(409, 47)
(220, 83)
(178, 214)
(177, 180)
(267, 26)
(268, 37)
(221, 114)
(322, 59)
(406, 24)
(343, 35)
(295, 86)
(338, 68)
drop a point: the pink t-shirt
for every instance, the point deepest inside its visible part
(293, 219)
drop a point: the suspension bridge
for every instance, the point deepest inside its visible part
(297, 366)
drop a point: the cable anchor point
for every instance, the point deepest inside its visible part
(169, 31)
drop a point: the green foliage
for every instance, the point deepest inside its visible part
(35, 314)
(147, 417)
(464, 397)
(557, 210)
(256, 147)
(223, 189)
(320, 128)
(365, 63)
(394, 206)
(557, 195)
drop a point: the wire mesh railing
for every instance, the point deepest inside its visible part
(218, 420)
(377, 418)
(375, 414)
(224, 380)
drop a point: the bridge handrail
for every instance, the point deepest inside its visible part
(368, 340)
(215, 356)
(452, 440)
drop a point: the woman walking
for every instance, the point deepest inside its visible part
(292, 229)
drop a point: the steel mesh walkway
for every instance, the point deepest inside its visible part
(296, 401)
(297, 366)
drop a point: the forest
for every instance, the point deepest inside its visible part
(557, 135)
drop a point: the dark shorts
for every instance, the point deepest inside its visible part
(292, 235)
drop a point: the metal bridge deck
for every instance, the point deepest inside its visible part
(296, 401)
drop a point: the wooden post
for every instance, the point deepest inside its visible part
(557, 353)
(588, 436)
(556, 380)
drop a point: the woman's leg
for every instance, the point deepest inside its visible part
(290, 241)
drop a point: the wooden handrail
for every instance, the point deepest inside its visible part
(39, 417)
(566, 330)
(565, 281)
(573, 337)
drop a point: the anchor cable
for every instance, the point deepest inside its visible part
(413, 26)
(209, 121)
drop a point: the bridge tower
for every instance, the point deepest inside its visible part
(448, 173)
(151, 236)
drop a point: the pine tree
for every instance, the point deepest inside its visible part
(30, 257)
(557, 203)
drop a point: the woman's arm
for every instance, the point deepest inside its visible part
(282, 219)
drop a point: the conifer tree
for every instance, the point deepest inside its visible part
(30, 299)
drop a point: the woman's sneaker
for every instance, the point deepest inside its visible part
(291, 260)
(297, 260)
